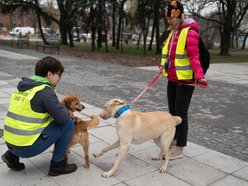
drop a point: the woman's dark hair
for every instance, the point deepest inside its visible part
(47, 64)
(175, 9)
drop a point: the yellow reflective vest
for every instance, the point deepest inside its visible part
(22, 125)
(182, 63)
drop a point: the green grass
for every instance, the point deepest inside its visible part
(237, 56)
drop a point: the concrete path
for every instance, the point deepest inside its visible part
(201, 166)
(236, 74)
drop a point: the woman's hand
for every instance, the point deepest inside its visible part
(160, 68)
(203, 83)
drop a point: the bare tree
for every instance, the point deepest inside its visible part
(114, 4)
(121, 16)
(39, 22)
(228, 15)
(244, 30)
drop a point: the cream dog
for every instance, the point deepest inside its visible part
(134, 127)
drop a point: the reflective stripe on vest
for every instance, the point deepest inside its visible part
(182, 63)
(22, 125)
(23, 132)
(27, 119)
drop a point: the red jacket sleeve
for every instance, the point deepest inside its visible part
(193, 53)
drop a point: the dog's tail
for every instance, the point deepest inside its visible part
(94, 122)
(177, 119)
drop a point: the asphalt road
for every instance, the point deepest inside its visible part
(217, 115)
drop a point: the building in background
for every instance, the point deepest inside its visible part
(26, 19)
(18, 19)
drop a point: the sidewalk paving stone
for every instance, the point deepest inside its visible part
(156, 179)
(242, 173)
(200, 166)
(221, 161)
(196, 173)
(229, 180)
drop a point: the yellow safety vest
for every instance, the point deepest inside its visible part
(182, 63)
(22, 125)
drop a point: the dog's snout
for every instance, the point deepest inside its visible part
(103, 116)
(80, 107)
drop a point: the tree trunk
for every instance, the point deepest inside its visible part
(113, 23)
(122, 28)
(70, 37)
(227, 28)
(145, 35)
(63, 33)
(152, 36)
(93, 28)
(119, 24)
(225, 43)
(156, 25)
(105, 26)
(63, 27)
(99, 25)
(93, 37)
(139, 38)
(118, 33)
(39, 24)
(244, 42)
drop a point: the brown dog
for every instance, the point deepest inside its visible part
(80, 134)
(138, 127)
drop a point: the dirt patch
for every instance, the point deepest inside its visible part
(122, 59)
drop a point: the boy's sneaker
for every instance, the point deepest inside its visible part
(58, 168)
(12, 161)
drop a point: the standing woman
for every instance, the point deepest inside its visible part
(180, 63)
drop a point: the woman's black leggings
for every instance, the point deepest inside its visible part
(179, 97)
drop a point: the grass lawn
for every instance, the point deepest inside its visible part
(236, 56)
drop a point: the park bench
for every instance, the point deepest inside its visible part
(52, 45)
(20, 41)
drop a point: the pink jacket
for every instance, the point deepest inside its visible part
(192, 50)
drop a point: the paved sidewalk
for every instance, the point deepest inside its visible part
(230, 73)
(199, 167)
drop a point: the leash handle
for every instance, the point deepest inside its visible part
(147, 87)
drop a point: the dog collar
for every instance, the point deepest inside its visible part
(121, 111)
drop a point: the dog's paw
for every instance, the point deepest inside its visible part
(106, 175)
(86, 166)
(155, 158)
(162, 170)
(96, 155)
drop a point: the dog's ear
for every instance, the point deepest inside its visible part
(118, 101)
(126, 102)
(66, 102)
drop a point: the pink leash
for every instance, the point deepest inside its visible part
(148, 86)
